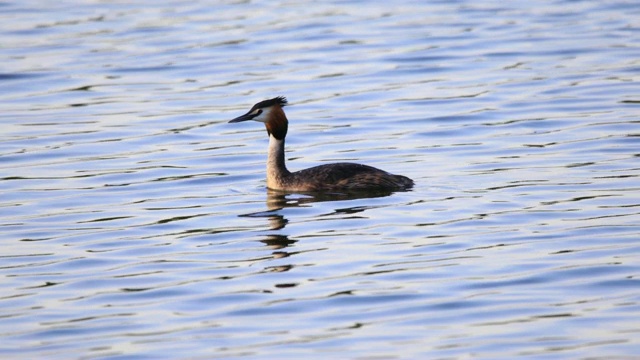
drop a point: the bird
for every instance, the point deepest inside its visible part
(341, 176)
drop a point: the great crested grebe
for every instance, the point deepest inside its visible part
(333, 177)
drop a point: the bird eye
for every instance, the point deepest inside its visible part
(256, 112)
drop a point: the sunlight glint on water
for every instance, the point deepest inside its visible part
(135, 221)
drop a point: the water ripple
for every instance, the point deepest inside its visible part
(135, 217)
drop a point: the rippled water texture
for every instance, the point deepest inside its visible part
(135, 222)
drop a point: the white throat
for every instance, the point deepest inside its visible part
(276, 150)
(276, 169)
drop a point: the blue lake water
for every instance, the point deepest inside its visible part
(135, 221)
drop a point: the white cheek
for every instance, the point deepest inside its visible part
(262, 117)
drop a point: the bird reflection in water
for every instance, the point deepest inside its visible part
(277, 241)
(278, 200)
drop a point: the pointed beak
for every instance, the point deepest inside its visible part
(245, 117)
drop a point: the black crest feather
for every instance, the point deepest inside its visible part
(280, 100)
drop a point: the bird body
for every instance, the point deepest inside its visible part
(328, 177)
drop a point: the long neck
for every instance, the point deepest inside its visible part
(276, 168)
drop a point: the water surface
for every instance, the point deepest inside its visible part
(135, 220)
